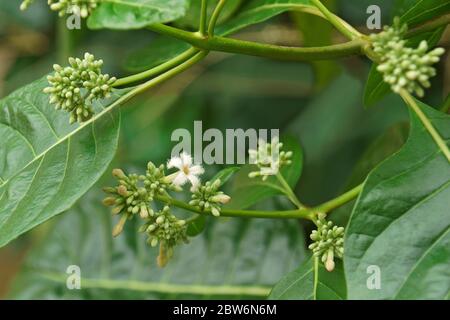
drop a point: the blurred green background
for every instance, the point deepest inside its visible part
(320, 104)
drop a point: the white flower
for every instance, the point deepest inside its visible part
(187, 171)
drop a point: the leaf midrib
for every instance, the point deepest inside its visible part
(66, 137)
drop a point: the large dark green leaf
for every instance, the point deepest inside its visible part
(401, 221)
(246, 192)
(135, 14)
(299, 284)
(231, 258)
(45, 163)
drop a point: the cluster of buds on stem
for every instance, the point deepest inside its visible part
(269, 158)
(82, 7)
(328, 242)
(128, 199)
(167, 230)
(75, 87)
(134, 195)
(404, 68)
(208, 198)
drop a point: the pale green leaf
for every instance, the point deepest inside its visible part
(46, 164)
(135, 14)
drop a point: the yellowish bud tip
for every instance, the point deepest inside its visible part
(118, 173)
(329, 264)
(162, 258)
(119, 227)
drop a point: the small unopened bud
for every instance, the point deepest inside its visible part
(215, 212)
(144, 212)
(122, 190)
(119, 227)
(221, 198)
(118, 173)
(162, 258)
(109, 201)
(329, 264)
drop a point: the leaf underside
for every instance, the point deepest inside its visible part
(239, 258)
(135, 14)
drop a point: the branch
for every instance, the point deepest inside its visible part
(215, 17)
(288, 214)
(343, 27)
(262, 50)
(426, 122)
(188, 54)
(203, 17)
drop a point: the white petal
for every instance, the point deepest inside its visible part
(196, 170)
(175, 162)
(186, 159)
(194, 181)
(180, 179)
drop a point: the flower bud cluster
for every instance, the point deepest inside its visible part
(128, 198)
(155, 180)
(405, 68)
(167, 230)
(134, 195)
(163, 226)
(208, 198)
(75, 87)
(328, 242)
(269, 158)
(83, 7)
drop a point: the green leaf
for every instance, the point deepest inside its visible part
(225, 174)
(401, 221)
(382, 148)
(197, 226)
(376, 88)
(192, 17)
(333, 144)
(299, 284)
(246, 192)
(258, 11)
(253, 12)
(45, 163)
(317, 31)
(135, 14)
(415, 12)
(236, 258)
(162, 49)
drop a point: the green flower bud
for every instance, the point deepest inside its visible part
(328, 242)
(68, 85)
(402, 67)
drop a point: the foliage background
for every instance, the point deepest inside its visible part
(319, 104)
